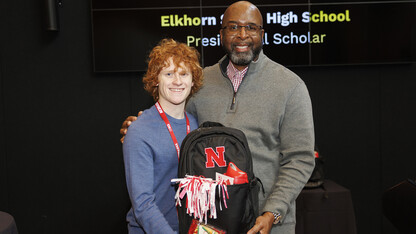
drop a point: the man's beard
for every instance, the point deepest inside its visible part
(243, 58)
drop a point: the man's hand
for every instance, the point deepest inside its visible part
(126, 124)
(263, 224)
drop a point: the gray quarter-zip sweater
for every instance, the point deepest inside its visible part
(273, 108)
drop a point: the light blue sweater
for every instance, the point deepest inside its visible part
(151, 161)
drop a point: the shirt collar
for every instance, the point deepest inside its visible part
(232, 71)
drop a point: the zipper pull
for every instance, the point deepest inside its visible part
(233, 102)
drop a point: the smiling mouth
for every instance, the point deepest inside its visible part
(177, 90)
(241, 48)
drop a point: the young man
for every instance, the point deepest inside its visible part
(151, 147)
(270, 104)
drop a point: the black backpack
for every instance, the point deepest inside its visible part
(210, 149)
(317, 177)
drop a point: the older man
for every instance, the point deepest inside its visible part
(270, 104)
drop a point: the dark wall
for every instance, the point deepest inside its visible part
(60, 121)
(363, 124)
(61, 168)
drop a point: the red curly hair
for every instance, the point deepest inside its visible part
(180, 53)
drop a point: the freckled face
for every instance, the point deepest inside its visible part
(174, 84)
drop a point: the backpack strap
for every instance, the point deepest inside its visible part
(210, 124)
(254, 183)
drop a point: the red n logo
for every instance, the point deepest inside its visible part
(218, 157)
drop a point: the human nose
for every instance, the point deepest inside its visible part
(242, 33)
(177, 79)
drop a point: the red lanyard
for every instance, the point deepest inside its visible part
(165, 118)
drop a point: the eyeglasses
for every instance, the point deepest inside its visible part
(235, 28)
